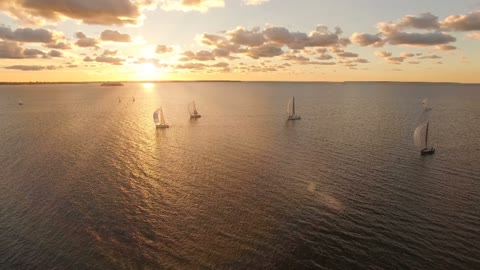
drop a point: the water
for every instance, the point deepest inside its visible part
(88, 182)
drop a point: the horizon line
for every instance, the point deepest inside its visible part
(220, 81)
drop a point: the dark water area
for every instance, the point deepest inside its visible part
(88, 182)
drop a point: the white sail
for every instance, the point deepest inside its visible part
(155, 115)
(426, 105)
(291, 107)
(192, 109)
(162, 119)
(417, 134)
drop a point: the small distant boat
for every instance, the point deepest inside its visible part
(417, 134)
(112, 84)
(119, 100)
(133, 99)
(291, 110)
(20, 103)
(192, 109)
(160, 123)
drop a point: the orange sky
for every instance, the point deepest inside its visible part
(341, 40)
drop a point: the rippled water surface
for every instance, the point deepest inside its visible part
(87, 181)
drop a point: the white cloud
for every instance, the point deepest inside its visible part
(254, 2)
(115, 36)
(474, 35)
(104, 12)
(191, 5)
(468, 22)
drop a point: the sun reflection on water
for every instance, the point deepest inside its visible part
(148, 87)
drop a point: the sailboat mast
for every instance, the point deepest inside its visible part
(426, 136)
(293, 101)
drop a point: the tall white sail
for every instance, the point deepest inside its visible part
(155, 116)
(417, 134)
(192, 109)
(426, 105)
(162, 119)
(291, 107)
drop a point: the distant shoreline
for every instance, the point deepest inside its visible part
(224, 81)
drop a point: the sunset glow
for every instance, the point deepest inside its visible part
(213, 40)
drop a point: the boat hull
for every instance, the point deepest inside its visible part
(294, 117)
(427, 151)
(162, 126)
(194, 116)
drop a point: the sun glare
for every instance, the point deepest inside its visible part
(148, 87)
(148, 71)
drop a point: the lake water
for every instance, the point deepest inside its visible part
(87, 181)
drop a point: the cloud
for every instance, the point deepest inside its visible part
(220, 65)
(347, 54)
(222, 53)
(254, 2)
(267, 50)
(59, 45)
(257, 42)
(111, 53)
(364, 39)
(55, 53)
(321, 37)
(383, 54)
(468, 22)
(13, 50)
(31, 68)
(474, 35)
(109, 35)
(85, 42)
(324, 56)
(241, 36)
(197, 66)
(33, 53)
(446, 47)
(109, 60)
(103, 12)
(391, 59)
(26, 35)
(431, 56)
(295, 58)
(162, 49)
(153, 61)
(407, 55)
(420, 39)
(395, 59)
(191, 5)
(320, 63)
(280, 35)
(220, 42)
(426, 21)
(199, 56)
(394, 32)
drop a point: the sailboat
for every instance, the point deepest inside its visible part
(192, 109)
(291, 110)
(160, 123)
(417, 134)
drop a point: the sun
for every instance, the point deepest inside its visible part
(148, 71)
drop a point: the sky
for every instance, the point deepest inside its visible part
(250, 40)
